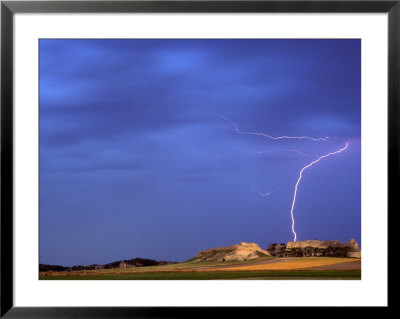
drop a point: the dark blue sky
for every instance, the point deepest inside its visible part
(137, 161)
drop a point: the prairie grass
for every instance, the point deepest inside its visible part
(225, 275)
(193, 269)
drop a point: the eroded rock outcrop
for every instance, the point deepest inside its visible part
(243, 251)
(324, 244)
(276, 249)
(315, 248)
(353, 245)
(354, 250)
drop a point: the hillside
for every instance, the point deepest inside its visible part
(242, 252)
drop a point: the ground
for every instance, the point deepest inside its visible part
(261, 268)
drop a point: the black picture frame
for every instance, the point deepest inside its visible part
(9, 8)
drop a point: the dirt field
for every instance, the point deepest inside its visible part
(340, 266)
(296, 264)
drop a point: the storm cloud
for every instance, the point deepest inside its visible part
(135, 160)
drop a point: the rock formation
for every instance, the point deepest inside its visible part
(354, 250)
(276, 249)
(241, 252)
(315, 248)
(314, 243)
(353, 245)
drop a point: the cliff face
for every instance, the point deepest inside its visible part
(276, 249)
(315, 248)
(243, 251)
(314, 244)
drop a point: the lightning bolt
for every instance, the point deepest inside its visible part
(259, 192)
(268, 193)
(269, 136)
(284, 150)
(299, 179)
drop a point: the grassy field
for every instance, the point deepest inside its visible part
(262, 268)
(202, 275)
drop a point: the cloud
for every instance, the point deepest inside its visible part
(128, 135)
